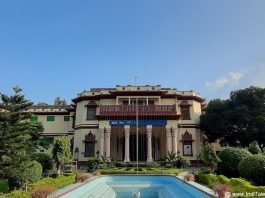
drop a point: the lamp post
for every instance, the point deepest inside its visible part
(76, 154)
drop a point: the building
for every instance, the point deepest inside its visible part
(102, 121)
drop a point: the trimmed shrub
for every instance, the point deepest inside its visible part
(45, 160)
(43, 191)
(230, 158)
(30, 172)
(254, 148)
(252, 168)
(4, 187)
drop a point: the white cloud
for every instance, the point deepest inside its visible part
(228, 79)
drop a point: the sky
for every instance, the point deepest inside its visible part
(62, 47)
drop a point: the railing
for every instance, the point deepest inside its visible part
(110, 110)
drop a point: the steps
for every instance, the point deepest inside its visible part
(100, 191)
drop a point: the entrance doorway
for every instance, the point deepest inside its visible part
(142, 147)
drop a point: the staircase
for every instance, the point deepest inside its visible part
(100, 191)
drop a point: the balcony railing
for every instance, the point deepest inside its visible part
(110, 110)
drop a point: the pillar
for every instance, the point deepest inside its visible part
(169, 140)
(149, 143)
(107, 141)
(102, 140)
(174, 141)
(127, 143)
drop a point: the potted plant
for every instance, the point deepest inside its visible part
(221, 189)
(189, 177)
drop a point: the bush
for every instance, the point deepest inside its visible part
(4, 187)
(223, 179)
(57, 182)
(208, 179)
(254, 148)
(181, 162)
(93, 164)
(45, 160)
(30, 172)
(43, 191)
(18, 194)
(230, 158)
(252, 168)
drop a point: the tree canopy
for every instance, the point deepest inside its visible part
(58, 101)
(237, 121)
(18, 135)
(62, 152)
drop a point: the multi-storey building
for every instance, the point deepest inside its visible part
(103, 121)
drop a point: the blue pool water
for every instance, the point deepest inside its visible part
(131, 186)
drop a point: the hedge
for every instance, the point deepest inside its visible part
(230, 158)
(238, 185)
(132, 170)
(253, 169)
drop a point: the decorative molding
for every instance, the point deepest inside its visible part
(90, 137)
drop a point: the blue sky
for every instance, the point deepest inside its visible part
(60, 48)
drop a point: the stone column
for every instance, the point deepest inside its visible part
(102, 141)
(174, 141)
(127, 143)
(107, 141)
(169, 140)
(149, 143)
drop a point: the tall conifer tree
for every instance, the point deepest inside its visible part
(18, 135)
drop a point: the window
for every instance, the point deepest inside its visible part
(89, 149)
(185, 112)
(66, 118)
(187, 148)
(91, 113)
(34, 118)
(50, 118)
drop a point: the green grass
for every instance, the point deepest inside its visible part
(132, 170)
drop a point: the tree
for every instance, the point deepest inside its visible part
(209, 156)
(18, 135)
(58, 101)
(237, 121)
(61, 152)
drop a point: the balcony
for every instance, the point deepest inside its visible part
(130, 110)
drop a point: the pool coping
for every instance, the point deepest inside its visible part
(193, 184)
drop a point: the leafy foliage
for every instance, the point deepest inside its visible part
(46, 161)
(18, 135)
(61, 152)
(29, 172)
(4, 187)
(254, 148)
(237, 121)
(58, 101)
(252, 168)
(209, 155)
(230, 158)
(92, 164)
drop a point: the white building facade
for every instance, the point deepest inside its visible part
(102, 122)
